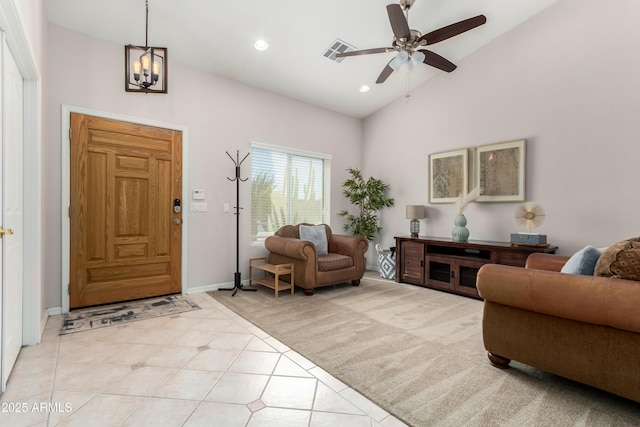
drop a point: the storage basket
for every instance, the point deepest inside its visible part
(387, 259)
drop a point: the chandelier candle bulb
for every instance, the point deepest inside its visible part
(145, 64)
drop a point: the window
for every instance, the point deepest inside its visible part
(287, 187)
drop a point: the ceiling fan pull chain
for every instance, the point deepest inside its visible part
(407, 96)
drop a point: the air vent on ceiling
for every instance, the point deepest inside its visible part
(337, 47)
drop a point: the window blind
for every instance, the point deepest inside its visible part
(287, 187)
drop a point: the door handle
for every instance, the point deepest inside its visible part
(176, 221)
(4, 231)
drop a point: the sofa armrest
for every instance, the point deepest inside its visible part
(596, 300)
(542, 261)
(290, 247)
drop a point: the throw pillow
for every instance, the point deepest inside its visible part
(317, 235)
(583, 262)
(621, 261)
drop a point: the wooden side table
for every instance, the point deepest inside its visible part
(271, 275)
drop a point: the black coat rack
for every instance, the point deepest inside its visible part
(237, 277)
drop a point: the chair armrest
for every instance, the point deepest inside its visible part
(291, 247)
(549, 262)
(596, 300)
(347, 245)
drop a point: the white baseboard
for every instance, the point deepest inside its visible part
(44, 316)
(214, 287)
(373, 267)
(54, 311)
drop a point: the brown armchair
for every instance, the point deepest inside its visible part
(345, 261)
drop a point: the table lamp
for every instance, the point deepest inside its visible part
(415, 213)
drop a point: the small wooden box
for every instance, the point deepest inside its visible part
(528, 239)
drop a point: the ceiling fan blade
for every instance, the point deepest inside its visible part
(435, 60)
(398, 22)
(365, 52)
(386, 72)
(453, 29)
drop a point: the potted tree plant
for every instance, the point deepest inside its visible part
(370, 197)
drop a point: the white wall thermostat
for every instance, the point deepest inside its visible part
(198, 195)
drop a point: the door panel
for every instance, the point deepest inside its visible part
(12, 214)
(124, 242)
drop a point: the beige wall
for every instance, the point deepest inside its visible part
(221, 115)
(567, 81)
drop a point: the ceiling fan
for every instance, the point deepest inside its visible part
(407, 42)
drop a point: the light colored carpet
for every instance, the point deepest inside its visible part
(124, 312)
(418, 353)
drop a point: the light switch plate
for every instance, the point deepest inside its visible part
(198, 207)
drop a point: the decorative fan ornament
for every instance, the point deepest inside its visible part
(530, 215)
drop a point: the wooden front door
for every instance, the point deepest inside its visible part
(125, 235)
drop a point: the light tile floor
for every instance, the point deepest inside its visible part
(207, 367)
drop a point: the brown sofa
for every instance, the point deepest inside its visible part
(345, 261)
(584, 328)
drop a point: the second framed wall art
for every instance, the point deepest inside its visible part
(499, 171)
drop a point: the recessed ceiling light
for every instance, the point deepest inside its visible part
(364, 88)
(261, 44)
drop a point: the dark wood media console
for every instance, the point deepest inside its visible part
(444, 264)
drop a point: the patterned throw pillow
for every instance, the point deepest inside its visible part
(620, 261)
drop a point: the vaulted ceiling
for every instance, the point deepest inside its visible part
(218, 37)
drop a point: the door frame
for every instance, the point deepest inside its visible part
(34, 313)
(66, 184)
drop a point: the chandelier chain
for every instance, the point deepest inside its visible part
(146, 25)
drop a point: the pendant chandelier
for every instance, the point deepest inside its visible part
(145, 66)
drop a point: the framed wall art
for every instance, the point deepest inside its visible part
(499, 171)
(448, 176)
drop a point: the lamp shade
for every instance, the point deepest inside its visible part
(416, 212)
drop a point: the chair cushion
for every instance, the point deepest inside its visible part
(317, 235)
(331, 262)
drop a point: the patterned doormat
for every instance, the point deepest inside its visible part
(125, 312)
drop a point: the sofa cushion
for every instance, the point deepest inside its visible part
(620, 261)
(331, 262)
(317, 235)
(583, 262)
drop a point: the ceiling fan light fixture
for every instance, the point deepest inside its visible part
(406, 41)
(398, 60)
(417, 57)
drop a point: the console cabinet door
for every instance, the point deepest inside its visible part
(440, 272)
(465, 276)
(453, 274)
(412, 268)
